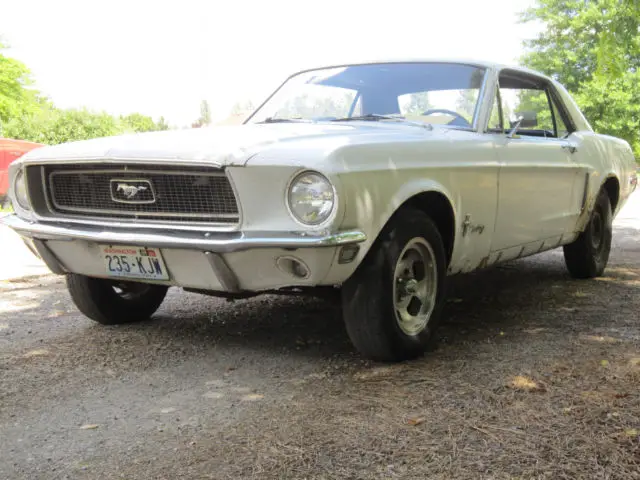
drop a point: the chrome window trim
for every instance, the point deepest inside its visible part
(478, 111)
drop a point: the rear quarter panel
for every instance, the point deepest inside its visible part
(603, 157)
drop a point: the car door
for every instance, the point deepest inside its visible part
(538, 168)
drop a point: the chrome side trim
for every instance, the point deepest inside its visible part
(227, 278)
(217, 242)
(585, 193)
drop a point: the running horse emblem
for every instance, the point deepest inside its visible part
(130, 191)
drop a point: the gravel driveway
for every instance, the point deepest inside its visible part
(536, 376)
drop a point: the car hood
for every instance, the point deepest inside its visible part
(220, 145)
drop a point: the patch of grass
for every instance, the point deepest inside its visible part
(5, 207)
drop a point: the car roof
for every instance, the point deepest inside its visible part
(461, 61)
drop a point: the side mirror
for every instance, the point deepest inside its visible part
(529, 119)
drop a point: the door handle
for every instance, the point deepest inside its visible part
(571, 148)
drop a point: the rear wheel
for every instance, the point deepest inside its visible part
(112, 302)
(392, 304)
(587, 256)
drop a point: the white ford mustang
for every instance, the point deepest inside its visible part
(377, 179)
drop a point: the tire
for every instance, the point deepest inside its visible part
(587, 256)
(111, 303)
(368, 298)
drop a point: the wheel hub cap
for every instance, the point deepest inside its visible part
(415, 286)
(597, 231)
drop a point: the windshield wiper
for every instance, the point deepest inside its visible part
(376, 117)
(284, 120)
(372, 117)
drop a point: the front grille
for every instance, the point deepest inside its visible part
(184, 194)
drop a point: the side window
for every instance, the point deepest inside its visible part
(533, 105)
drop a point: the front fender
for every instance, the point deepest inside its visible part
(371, 201)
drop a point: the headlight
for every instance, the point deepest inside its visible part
(20, 190)
(311, 198)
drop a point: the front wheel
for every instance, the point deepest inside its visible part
(392, 304)
(113, 302)
(587, 256)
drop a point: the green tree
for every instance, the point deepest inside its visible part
(51, 125)
(137, 122)
(205, 115)
(593, 48)
(466, 103)
(417, 104)
(17, 97)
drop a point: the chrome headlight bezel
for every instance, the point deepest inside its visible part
(20, 191)
(329, 213)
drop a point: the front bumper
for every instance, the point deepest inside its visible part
(221, 261)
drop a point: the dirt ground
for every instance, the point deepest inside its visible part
(535, 376)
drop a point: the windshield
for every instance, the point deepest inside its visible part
(434, 93)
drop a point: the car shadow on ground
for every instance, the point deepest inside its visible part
(530, 293)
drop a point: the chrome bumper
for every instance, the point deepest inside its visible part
(219, 242)
(238, 261)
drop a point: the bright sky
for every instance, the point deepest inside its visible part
(162, 57)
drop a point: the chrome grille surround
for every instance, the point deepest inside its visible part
(187, 195)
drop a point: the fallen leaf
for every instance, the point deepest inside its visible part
(604, 363)
(89, 426)
(632, 432)
(415, 421)
(502, 334)
(568, 309)
(252, 397)
(580, 294)
(621, 395)
(41, 352)
(521, 382)
(168, 410)
(567, 409)
(635, 361)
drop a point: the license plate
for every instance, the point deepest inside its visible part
(134, 262)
